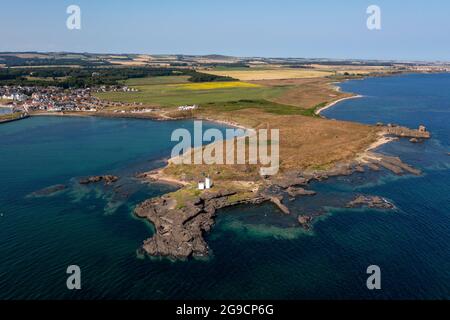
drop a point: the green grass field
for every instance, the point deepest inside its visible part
(156, 81)
(164, 92)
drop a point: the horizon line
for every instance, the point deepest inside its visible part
(232, 56)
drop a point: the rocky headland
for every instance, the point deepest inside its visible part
(181, 218)
(179, 230)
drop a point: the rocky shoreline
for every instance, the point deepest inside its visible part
(179, 229)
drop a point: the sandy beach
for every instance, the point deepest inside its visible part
(318, 111)
(368, 154)
(159, 176)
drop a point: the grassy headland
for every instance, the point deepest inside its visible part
(307, 142)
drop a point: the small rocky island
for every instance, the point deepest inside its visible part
(106, 179)
(374, 202)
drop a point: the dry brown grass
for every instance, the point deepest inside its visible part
(306, 143)
(129, 63)
(305, 93)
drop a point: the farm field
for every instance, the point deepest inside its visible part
(269, 74)
(168, 93)
(156, 80)
(217, 85)
(277, 97)
(351, 69)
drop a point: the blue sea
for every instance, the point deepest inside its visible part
(257, 253)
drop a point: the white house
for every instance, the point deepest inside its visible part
(207, 184)
(186, 108)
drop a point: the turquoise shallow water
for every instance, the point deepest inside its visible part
(5, 110)
(257, 253)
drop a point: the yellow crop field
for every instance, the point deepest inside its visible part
(270, 74)
(215, 85)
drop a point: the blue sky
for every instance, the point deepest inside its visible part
(412, 30)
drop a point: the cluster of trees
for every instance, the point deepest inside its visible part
(227, 65)
(76, 77)
(204, 77)
(15, 61)
(89, 76)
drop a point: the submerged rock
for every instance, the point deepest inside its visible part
(277, 201)
(394, 164)
(49, 191)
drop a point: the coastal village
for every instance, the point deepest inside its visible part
(28, 99)
(54, 99)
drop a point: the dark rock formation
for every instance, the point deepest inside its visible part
(373, 166)
(294, 192)
(393, 164)
(405, 132)
(179, 231)
(371, 202)
(106, 179)
(305, 222)
(290, 179)
(277, 201)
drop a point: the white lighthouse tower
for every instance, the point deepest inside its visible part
(208, 183)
